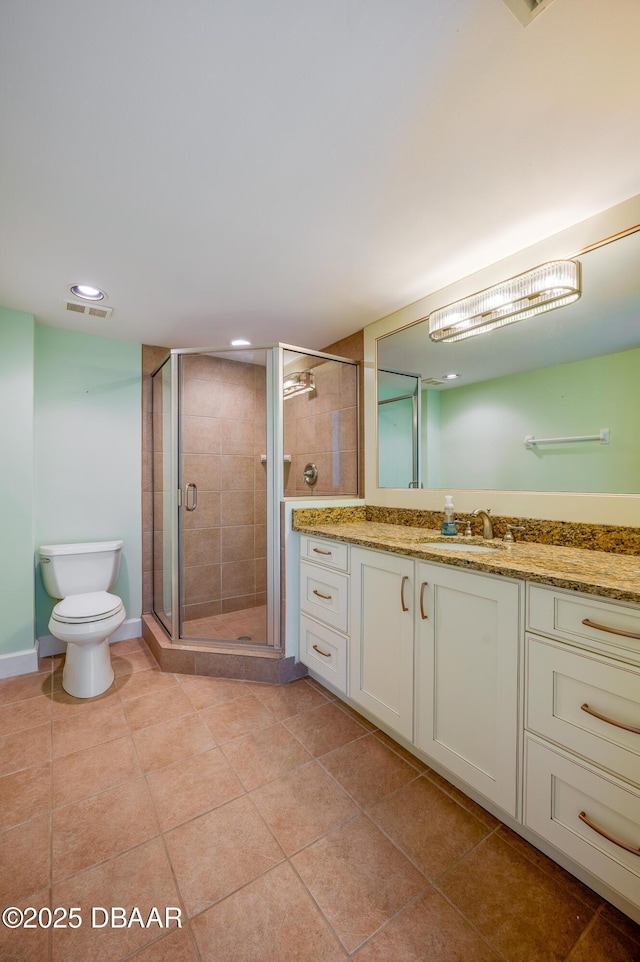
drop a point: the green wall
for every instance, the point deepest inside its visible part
(481, 429)
(16, 481)
(88, 451)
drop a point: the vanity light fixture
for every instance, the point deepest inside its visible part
(544, 288)
(298, 382)
(240, 342)
(87, 293)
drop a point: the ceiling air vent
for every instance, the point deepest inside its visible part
(91, 310)
(431, 380)
(526, 10)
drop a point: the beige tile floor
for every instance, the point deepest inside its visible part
(283, 826)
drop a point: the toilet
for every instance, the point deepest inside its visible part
(87, 615)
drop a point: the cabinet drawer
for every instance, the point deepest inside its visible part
(608, 626)
(324, 651)
(558, 789)
(324, 594)
(333, 554)
(565, 686)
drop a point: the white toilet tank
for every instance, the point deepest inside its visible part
(74, 569)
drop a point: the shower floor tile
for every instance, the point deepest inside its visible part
(281, 824)
(246, 624)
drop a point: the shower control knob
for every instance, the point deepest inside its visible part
(310, 473)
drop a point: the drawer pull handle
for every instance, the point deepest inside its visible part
(404, 581)
(587, 821)
(613, 631)
(325, 654)
(320, 551)
(610, 721)
(320, 595)
(423, 615)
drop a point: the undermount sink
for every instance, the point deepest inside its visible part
(456, 546)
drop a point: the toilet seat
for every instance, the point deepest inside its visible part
(85, 608)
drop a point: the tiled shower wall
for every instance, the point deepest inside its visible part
(321, 427)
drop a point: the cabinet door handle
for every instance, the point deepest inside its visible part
(325, 654)
(320, 595)
(423, 615)
(404, 581)
(613, 631)
(587, 821)
(320, 551)
(609, 721)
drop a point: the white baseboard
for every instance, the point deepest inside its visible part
(131, 628)
(19, 662)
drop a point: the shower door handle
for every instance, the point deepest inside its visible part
(194, 501)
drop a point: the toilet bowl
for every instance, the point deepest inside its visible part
(88, 614)
(86, 622)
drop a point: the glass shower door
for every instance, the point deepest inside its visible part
(225, 449)
(223, 479)
(164, 487)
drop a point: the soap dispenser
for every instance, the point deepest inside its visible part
(449, 526)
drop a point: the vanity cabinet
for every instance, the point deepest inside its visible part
(324, 609)
(468, 642)
(582, 733)
(382, 632)
(530, 699)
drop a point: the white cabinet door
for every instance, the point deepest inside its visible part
(381, 654)
(467, 656)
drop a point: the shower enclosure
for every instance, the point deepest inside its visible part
(234, 431)
(398, 429)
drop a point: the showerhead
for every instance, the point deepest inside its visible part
(298, 382)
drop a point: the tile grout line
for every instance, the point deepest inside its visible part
(459, 912)
(489, 831)
(164, 843)
(548, 870)
(590, 925)
(597, 912)
(315, 901)
(113, 857)
(360, 810)
(288, 859)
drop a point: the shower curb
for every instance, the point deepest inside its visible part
(271, 667)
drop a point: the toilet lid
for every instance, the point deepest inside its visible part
(90, 606)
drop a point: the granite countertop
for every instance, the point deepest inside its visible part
(577, 569)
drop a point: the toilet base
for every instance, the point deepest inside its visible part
(87, 669)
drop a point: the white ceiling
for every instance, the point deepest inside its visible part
(292, 169)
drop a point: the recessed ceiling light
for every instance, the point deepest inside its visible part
(450, 377)
(87, 293)
(240, 342)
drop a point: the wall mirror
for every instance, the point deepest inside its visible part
(569, 373)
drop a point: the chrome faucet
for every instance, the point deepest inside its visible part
(487, 521)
